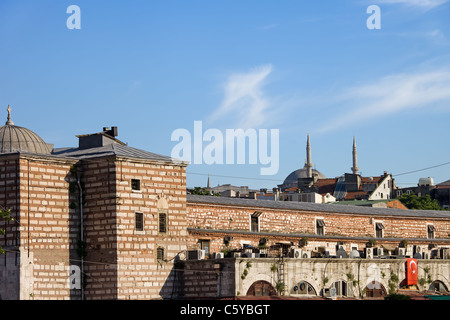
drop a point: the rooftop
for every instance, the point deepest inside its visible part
(112, 150)
(317, 207)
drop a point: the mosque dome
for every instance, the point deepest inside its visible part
(293, 177)
(18, 139)
(306, 172)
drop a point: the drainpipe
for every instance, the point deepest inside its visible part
(80, 190)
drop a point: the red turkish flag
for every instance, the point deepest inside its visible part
(411, 271)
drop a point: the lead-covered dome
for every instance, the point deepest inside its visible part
(18, 139)
(293, 177)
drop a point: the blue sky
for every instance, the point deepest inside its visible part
(151, 67)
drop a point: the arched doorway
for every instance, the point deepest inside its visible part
(261, 288)
(438, 286)
(375, 290)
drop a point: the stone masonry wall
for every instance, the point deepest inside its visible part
(46, 235)
(9, 199)
(221, 217)
(162, 189)
(202, 278)
(100, 228)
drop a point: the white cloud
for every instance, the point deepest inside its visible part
(244, 100)
(390, 95)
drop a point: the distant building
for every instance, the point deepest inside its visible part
(310, 185)
(442, 194)
(426, 186)
(228, 190)
(307, 174)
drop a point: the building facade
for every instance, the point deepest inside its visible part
(104, 220)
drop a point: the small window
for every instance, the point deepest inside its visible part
(254, 221)
(379, 230)
(430, 231)
(139, 221)
(160, 254)
(255, 224)
(135, 184)
(320, 227)
(162, 221)
(205, 245)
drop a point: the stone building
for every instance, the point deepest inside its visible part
(95, 221)
(264, 236)
(104, 220)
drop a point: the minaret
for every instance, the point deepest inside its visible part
(355, 168)
(308, 164)
(208, 186)
(9, 121)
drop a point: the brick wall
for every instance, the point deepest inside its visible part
(207, 279)
(36, 191)
(141, 275)
(121, 262)
(287, 225)
(100, 228)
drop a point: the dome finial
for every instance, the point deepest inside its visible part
(9, 122)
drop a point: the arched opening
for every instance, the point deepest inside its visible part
(375, 290)
(438, 286)
(304, 288)
(261, 288)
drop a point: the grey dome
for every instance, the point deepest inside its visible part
(301, 173)
(18, 139)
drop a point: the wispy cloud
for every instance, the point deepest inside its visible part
(436, 36)
(422, 4)
(244, 99)
(390, 95)
(269, 26)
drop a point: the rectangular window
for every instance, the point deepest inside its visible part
(160, 254)
(139, 221)
(204, 245)
(162, 222)
(379, 230)
(135, 184)
(255, 224)
(430, 231)
(320, 227)
(254, 221)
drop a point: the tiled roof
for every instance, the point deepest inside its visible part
(444, 184)
(317, 207)
(326, 185)
(113, 150)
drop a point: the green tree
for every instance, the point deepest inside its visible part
(203, 192)
(412, 201)
(4, 215)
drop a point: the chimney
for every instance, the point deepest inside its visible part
(276, 194)
(113, 132)
(96, 140)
